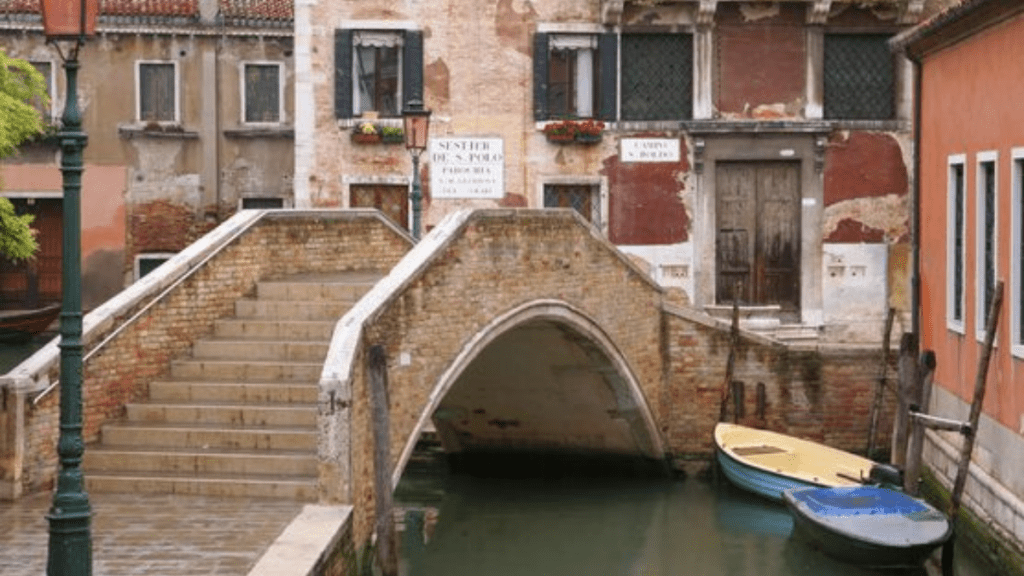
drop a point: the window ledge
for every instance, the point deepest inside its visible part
(260, 132)
(153, 130)
(716, 126)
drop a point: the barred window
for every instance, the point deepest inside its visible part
(985, 273)
(955, 245)
(262, 93)
(657, 76)
(157, 92)
(859, 77)
(579, 197)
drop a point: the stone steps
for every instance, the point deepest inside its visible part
(238, 416)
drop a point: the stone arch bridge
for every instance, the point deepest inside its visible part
(508, 329)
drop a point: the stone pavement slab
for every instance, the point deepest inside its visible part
(151, 534)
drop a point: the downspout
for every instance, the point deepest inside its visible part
(915, 192)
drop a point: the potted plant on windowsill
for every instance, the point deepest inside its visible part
(589, 131)
(392, 134)
(366, 133)
(562, 132)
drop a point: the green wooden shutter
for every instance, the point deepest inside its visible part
(342, 73)
(412, 68)
(540, 76)
(607, 49)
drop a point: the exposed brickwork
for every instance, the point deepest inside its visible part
(274, 247)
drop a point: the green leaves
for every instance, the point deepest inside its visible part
(20, 85)
(17, 240)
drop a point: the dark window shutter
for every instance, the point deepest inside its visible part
(540, 76)
(412, 67)
(343, 73)
(607, 49)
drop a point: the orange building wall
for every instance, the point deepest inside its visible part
(972, 96)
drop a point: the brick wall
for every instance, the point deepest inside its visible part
(279, 244)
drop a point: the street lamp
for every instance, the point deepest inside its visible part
(417, 126)
(70, 551)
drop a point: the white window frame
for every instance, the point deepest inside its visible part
(980, 311)
(585, 48)
(55, 105)
(952, 323)
(280, 91)
(165, 256)
(1016, 247)
(364, 37)
(599, 208)
(177, 91)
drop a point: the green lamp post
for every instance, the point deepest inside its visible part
(417, 126)
(70, 550)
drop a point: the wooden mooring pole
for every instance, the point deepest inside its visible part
(905, 393)
(730, 363)
(972, 425)
(386, 548)
(912, 476)
(876, 402)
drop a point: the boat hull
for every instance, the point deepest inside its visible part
(21, 326)
(867, 525)
(768, 463)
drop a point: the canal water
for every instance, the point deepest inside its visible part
(13, 354)
(462, 525)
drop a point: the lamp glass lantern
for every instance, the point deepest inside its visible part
(417, 126)
(69, 19)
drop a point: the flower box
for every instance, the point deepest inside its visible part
(561, 138)
(364, 138)
(584, 138)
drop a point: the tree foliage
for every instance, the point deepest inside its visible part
(20, 85)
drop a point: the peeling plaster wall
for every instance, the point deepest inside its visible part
(478, 82)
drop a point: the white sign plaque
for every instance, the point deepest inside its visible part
(649, 150)
(467, 167)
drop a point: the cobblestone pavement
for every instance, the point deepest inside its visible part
(150, 535)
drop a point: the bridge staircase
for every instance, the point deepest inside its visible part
(238, 416)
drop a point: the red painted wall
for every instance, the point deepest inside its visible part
(645, 204)
(971, 102)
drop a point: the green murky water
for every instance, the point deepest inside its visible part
(456, 525)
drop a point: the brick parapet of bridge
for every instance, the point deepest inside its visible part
(204, 282)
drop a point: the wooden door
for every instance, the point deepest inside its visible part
(37, 281)
(392, 200)
(757, 250)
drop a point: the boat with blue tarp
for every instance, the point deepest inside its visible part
(868, 525)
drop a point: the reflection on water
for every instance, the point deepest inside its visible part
(460, 525)
(13, 354)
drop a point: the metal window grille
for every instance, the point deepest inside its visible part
(988, 170)
(958, 241)
(657, 76)
(156, 93)
(1020, 250)
(859, 77)
(579, 197)
(262, 93)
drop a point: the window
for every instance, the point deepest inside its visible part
(146, 263)
(657, 77)
(46, 110)
(985, 229)
(377, 71)
(859, 77)
(580, 197)
(262, 203)
(157, 91)
(955, 226)
(391, 199)
(574, 76)
(262, 93)
(1017, 253)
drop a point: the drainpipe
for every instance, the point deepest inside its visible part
(915, 232)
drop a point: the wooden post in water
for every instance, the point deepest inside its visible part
(912, 477)
(976, 404)
(904, 393)
(734, 337)
(876, 402)
(387, 549)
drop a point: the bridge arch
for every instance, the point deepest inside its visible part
(609, 366)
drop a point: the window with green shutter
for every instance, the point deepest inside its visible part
(376, 71)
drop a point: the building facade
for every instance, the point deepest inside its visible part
(972, 213)
(188, 110)
(749, 151)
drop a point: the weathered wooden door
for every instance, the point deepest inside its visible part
(37, 281)
(758, 242)
(390, 199)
